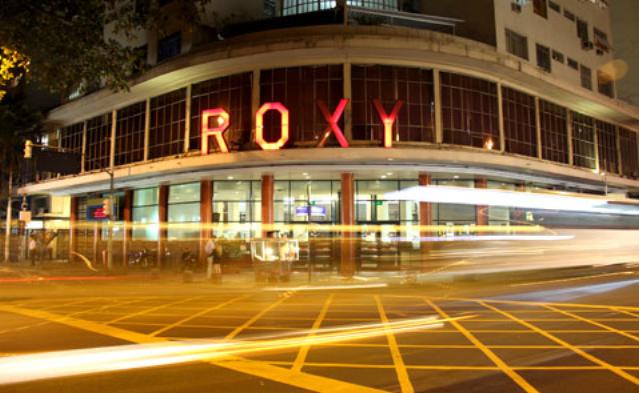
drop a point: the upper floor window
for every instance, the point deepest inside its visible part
(543, 58)
(582, 31)
(586, 77)
(169, 46)
(605, 84)
(554, 6)
(292, 7)
(541, 8)
(516, 44)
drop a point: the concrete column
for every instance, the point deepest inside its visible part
(348, 94)
(127, 229)
(206, 217)
(425, 219)
(500, 111)
(481, 212)
(347, 219)
(267, 204)
(439, 122)
(163, 210)
(73, 229)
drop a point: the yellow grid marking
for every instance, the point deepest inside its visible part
(148, 310)
(198, 314)
(303, 352)
(595, 323)
(636, 316)
(400, 368)
(505, 368)
(257, 316)
(251, 367)
(573, 348)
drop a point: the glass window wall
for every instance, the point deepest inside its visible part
(146, 214)
(184, 211)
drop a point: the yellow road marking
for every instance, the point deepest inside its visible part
(148, 310)
(257, 316)
(400, 368)
(595, 323)
(627, 313)
(198, 314)
(561, 342)
(255, 368)
(505, 368)
(303, 352)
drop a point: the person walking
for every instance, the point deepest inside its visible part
(213, 268)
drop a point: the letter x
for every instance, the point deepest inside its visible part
(332, 120)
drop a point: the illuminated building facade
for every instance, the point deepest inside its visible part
(315, 123)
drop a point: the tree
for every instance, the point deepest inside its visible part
(63, 41)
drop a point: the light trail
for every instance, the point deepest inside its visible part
(27, 368)
(327, 287)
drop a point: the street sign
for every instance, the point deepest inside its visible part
(64, 163)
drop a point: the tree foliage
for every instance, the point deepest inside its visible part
(64, 41)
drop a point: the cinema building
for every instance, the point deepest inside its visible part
(312, 113)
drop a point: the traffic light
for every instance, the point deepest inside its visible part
(28, 147)
(106, 207)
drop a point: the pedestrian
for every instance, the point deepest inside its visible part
(213, 268)
(33, 250)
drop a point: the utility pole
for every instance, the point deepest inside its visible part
(7, 227)
(110, 221)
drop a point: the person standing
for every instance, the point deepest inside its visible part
(213, 268)
(33, 250)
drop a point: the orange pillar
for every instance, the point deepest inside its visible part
(127, 234)
(347, 259)
(163, 210)
(267, 204)
(481, 212)
(425, 218)
(73, 230)
(206, 216)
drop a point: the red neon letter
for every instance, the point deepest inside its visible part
(388, 120)
(332, 120)
(217, 131)
(259, 126)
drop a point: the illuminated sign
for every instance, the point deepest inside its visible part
(221, 121)
(315, 211)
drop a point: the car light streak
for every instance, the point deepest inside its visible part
(327, 287)
(25, 368)
(517, 199)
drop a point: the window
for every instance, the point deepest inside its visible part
(569, 15)
(469, 111)
(389, 84)
(292, 7)
(582, 31)
(540, 7)
(299, 89)
(71, 138)
(601, 41)
(607, 147)
(169, 46)
(543, 58)
(146, 216)
(519, 122)
(270, 9)
(605, 85)
(516, 44)
(371, 204)
(129, 135)
(291, 200)
(98, 144)
(629, 153)
(572, 63)
(451, 214)
(554, 133)
(554, 6)
(583, 141)
(586, 77)
(558, 56)
(237, 201)
(233, 94)
(184, 211)
(166, 130)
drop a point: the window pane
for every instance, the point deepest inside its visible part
(184, 212)
(145, 197)
(184, 193)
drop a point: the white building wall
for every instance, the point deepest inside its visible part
(556, 32)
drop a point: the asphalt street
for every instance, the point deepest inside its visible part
(551, 335)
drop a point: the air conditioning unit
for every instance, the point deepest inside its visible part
(515, 7)
(587, 45)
